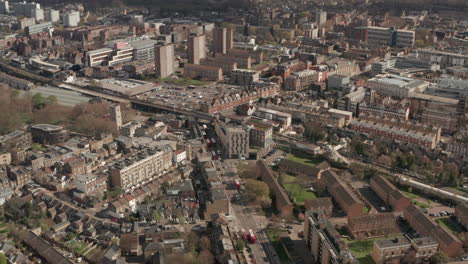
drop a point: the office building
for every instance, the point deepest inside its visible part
(261, 133)
(244, 77)
(284, 118)
(396, 86)
(234, 140)
(223, 40)
(71, 19)
(38, 28)
(205, 72)
(390, 37)
(443, 58)
(324, 241)
(25, 22)
(38, 14)
(136, 169)
(382, 66)
(196, 48)
(52, 15)
(164, 60)
(97, 57)
(143, 49)
(25, 9)
(320, 17)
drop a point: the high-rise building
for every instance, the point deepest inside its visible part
(71, 19)
(52, 15)
(4, 7)
(196, 48)
(223, 40)
(320, 17)
(234, 140)
(390, 36)
(164, 60)
(116, 115)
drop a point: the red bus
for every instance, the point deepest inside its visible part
(237, 183)
(252, 237)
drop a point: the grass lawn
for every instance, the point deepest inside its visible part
(420, 204)
(303, 158)
(449, 224)
(274, 236)
(298, 193)
(77, 246)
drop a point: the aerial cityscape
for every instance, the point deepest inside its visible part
(234, 131)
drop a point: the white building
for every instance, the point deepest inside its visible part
(4, 7)
(396, 86)
(320, 17)
(71, 19)
(179, 156)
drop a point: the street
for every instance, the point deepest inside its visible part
(247, 218)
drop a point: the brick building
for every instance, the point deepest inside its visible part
(204, 72)
(448, 243)
(372, 225)
(323, 204)
(389, 193)
(461, 212)
(401, 249)
(232, 100)
(342, 194)
(282, 202)
(428, 137)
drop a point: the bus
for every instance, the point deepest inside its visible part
(237, 183)
(252, 237)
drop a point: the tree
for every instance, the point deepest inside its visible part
(38, 101)
(240, 244)
(205, 243)
(3, 259)
(438, 258)
(115, 191)
(205, 256)
(164, 187)
(70, 236)
(156, 216)
(192, 241)
(256, 189)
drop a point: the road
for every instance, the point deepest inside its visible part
(262, 250)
